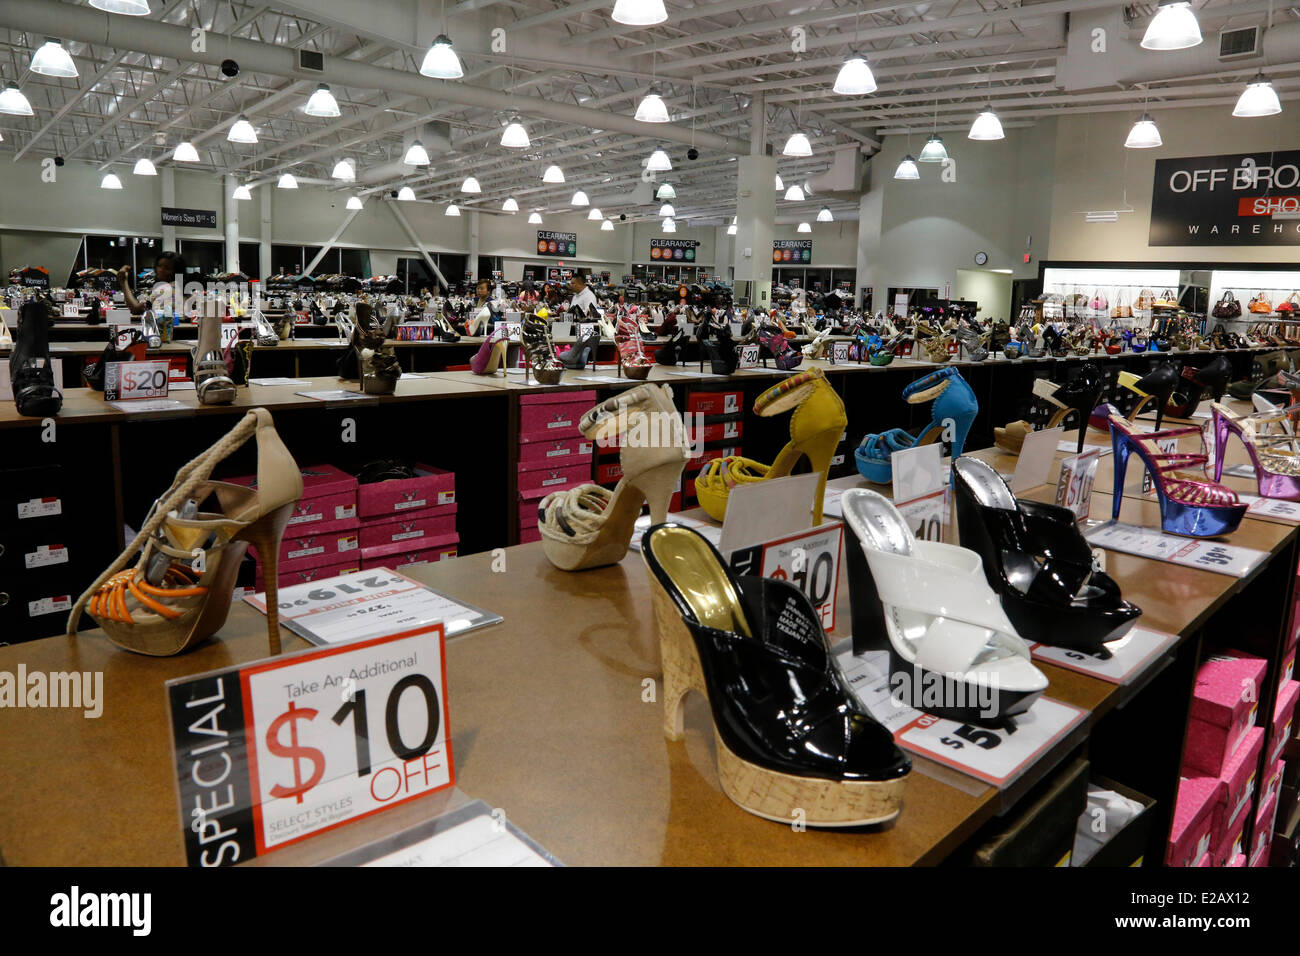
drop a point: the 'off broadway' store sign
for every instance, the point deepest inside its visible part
(557, 243)
(673, 250)
(795, 252)
(1243, 199)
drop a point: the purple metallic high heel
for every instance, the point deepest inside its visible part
(1277, 473)
(1193, 508)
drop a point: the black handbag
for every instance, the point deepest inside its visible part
(1227, 307)
(127, 346)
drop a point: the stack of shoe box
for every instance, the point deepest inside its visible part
(1280, 744)
(42, 562)
(714, 427)
(320, 540)
(553, 454)
(408, 520)
(1221, 766)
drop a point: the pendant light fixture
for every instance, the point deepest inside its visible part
(780, 186)
(534, 219)
(322, 103)
(804, 227)
(855, 78)
(287, 181)
(667, 210)
(242, 132)
(144, 167)
(933, 151)
(13, 102)
(514, 136)
(110, 181)
(659, 162)
(795, 194)
(669, 226)
(607, 226)
(797, 145)
(1174, 27)
(595, 214)
(344, 171)
(441, 62)
(355, 204)
(639, 13)
(733, 228)
(1144, 134)
(128, 8)
(242, 193)
(452, 209)
(825, 215)
(510, 205)
(665, 192)
(406, 194)
(579, 199)
(52, 60)
(554, 174)
(1258, 99)
(653, 109)
(186, 153)
(470, 185)
(986, 127)
(907, 168)
(416, 155)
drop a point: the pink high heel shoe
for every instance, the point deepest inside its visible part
(490, 354)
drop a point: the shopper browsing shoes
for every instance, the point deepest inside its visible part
(168, 271)
(584, 299)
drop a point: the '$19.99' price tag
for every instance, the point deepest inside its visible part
(330, 735)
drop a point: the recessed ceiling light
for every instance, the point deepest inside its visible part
(441, 62)
(52, 60)
(322, 103)
(144, 167)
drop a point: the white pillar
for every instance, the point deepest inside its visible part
(232, 226)
(264, 241)
(472, 265)
(870, 207)
(755, 215)
(167, 176)
(629, 249)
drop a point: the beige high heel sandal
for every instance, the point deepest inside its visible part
(178, 593)
(590, 526)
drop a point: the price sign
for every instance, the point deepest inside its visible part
(1273, 509)
(748, 356)
(272, 753)
(1124, 660)
(230, 332)
(586, 328)
(71, 310)
(810, 560)
(126, 381)
(1074, 487)
(512, 331)
(927, 515)
(1206, 554)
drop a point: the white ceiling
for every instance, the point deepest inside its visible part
(936, 63)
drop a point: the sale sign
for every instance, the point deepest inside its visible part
(557, 243)
(809, 560)
(124, 381)
(272, 753)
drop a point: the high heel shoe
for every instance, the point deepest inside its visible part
(1156, 385)
(1277, 473)
(149, 330)
(1210, 381)
(670, 352)
(590, 527)
(264, 333)
(816, 349)
(943, 624)
(377, 366)
(30, 371)
(583, 352)
(491, 354)
(816, 427)
(539, 353)
(632, 360)
(178, 593)
(953, 400)
(212, 382)
(1191, 507)
(782, 353)
(1036, 559)
(1079, 395)
(716, 342)
(790, 733)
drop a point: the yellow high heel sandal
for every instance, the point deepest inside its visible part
(816, 428)
(589, 526)
(178, 593)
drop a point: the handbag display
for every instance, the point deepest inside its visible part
(1259, 305)
(1292, 304)
(1099, 303)
(1227, 307)
(1167, 300)
(1122, 309)
(1146, 299)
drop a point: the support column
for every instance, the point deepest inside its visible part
(870, 273)
(415, 241)
(347, 221)
(264, 240)
(755, 216)
(232, 226)
(629, 249)
(472, 264)
(167, 175)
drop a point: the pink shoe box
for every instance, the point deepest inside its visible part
(1239, 777)
(553, 414)
(1233, 843)
(307, 575)
(1195, 821)
(318, 481)
(541, 482)
(1288, 671)
(1238, 860)
(1283, 719)
(555, 451)
(324, 514)
(1223, 709)
(308, 550)
(1262, 835)
(1206, 859)
(1260, 858)
(401, 553)
(529, 535)
(1272, 785)
(409, 530)
(430, 488)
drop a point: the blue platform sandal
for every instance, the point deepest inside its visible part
(954, 408)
